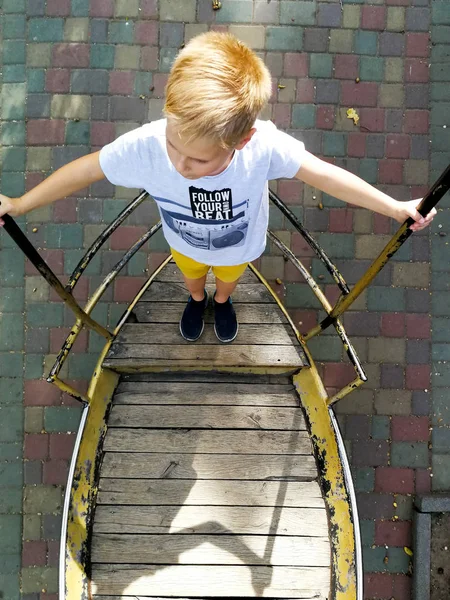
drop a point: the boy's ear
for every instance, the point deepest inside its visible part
(245, 140)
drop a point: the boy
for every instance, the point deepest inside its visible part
(207, 166)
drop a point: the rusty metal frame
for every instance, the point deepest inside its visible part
(361, 377)
(431, 198)
(98, 243)
(92, 302)
(331, 267)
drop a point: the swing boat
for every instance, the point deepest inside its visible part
(206, 470)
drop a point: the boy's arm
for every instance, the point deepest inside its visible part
(70, 178)
(348, 187)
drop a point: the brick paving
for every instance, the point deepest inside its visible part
(78, 73)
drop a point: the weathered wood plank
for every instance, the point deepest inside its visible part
(209, 581)
(296, 494)
(211, 520)
(219, 393)
(207, 442)
(172, 273)
(211, 549)
(209, 417)
(147, 312)
(208, 466)
(168, 333)
(176, 292)
(204, 377)
(232, 355)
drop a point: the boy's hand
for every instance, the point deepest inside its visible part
(408, 209)
(10, 206)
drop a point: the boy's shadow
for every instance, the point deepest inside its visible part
(226, 539)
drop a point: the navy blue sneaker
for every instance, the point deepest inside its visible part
(225, 322)
(191, 324)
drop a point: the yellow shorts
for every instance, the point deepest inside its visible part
(195, 270)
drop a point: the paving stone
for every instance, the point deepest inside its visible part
(80, 8)
(127, 57)
(371, 68)
(367, 529)
(391, 95)
(327, 92)
(36, 8)
(375, 506)
(441, 472)
(76, 30)
(38, 55)
(351, 17)
(61, 418)
(396, 18)
(99, 32)
(366, 42)
(341, 40)
(34, 419)
(282, 38)
(14, 26)
(316, 40)
(252, 35)
(70, 107)
(334, 144)
(364, 479)
(102, 56)
(14, 52)
(51, 526)
(191, 30)
(171, 34)
(416, 96)
(441, 440)
(380, 427)
(439, 13)
(409, 454)
(303, 116)
(393, 401)
(126, 8)
(375, 146)
(386, 350)
(32, 472)
(411, 274)
(320, 65)
(328, 15)
(421, 403)
(264, 12)
(36, 579)
(417, 19)
(46, 30)
(121, 32)
(298, 12)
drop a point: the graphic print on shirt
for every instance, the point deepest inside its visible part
(214, 223)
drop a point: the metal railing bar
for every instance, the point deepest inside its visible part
(98, 243)
(92, 302)
(340, 330)
(431, 198)
(332, 269)
(36, 259)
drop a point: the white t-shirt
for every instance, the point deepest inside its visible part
(219, 220)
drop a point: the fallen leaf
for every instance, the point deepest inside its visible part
(408, 551)
(352, 114)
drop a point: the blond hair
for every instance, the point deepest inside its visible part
(217, 87)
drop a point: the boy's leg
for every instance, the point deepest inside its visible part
(194, 274)
(224, 289)
(225, 321)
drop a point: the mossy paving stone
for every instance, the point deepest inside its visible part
(440, 556)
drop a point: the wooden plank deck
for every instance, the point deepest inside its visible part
(265, 339)
(208, 489)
